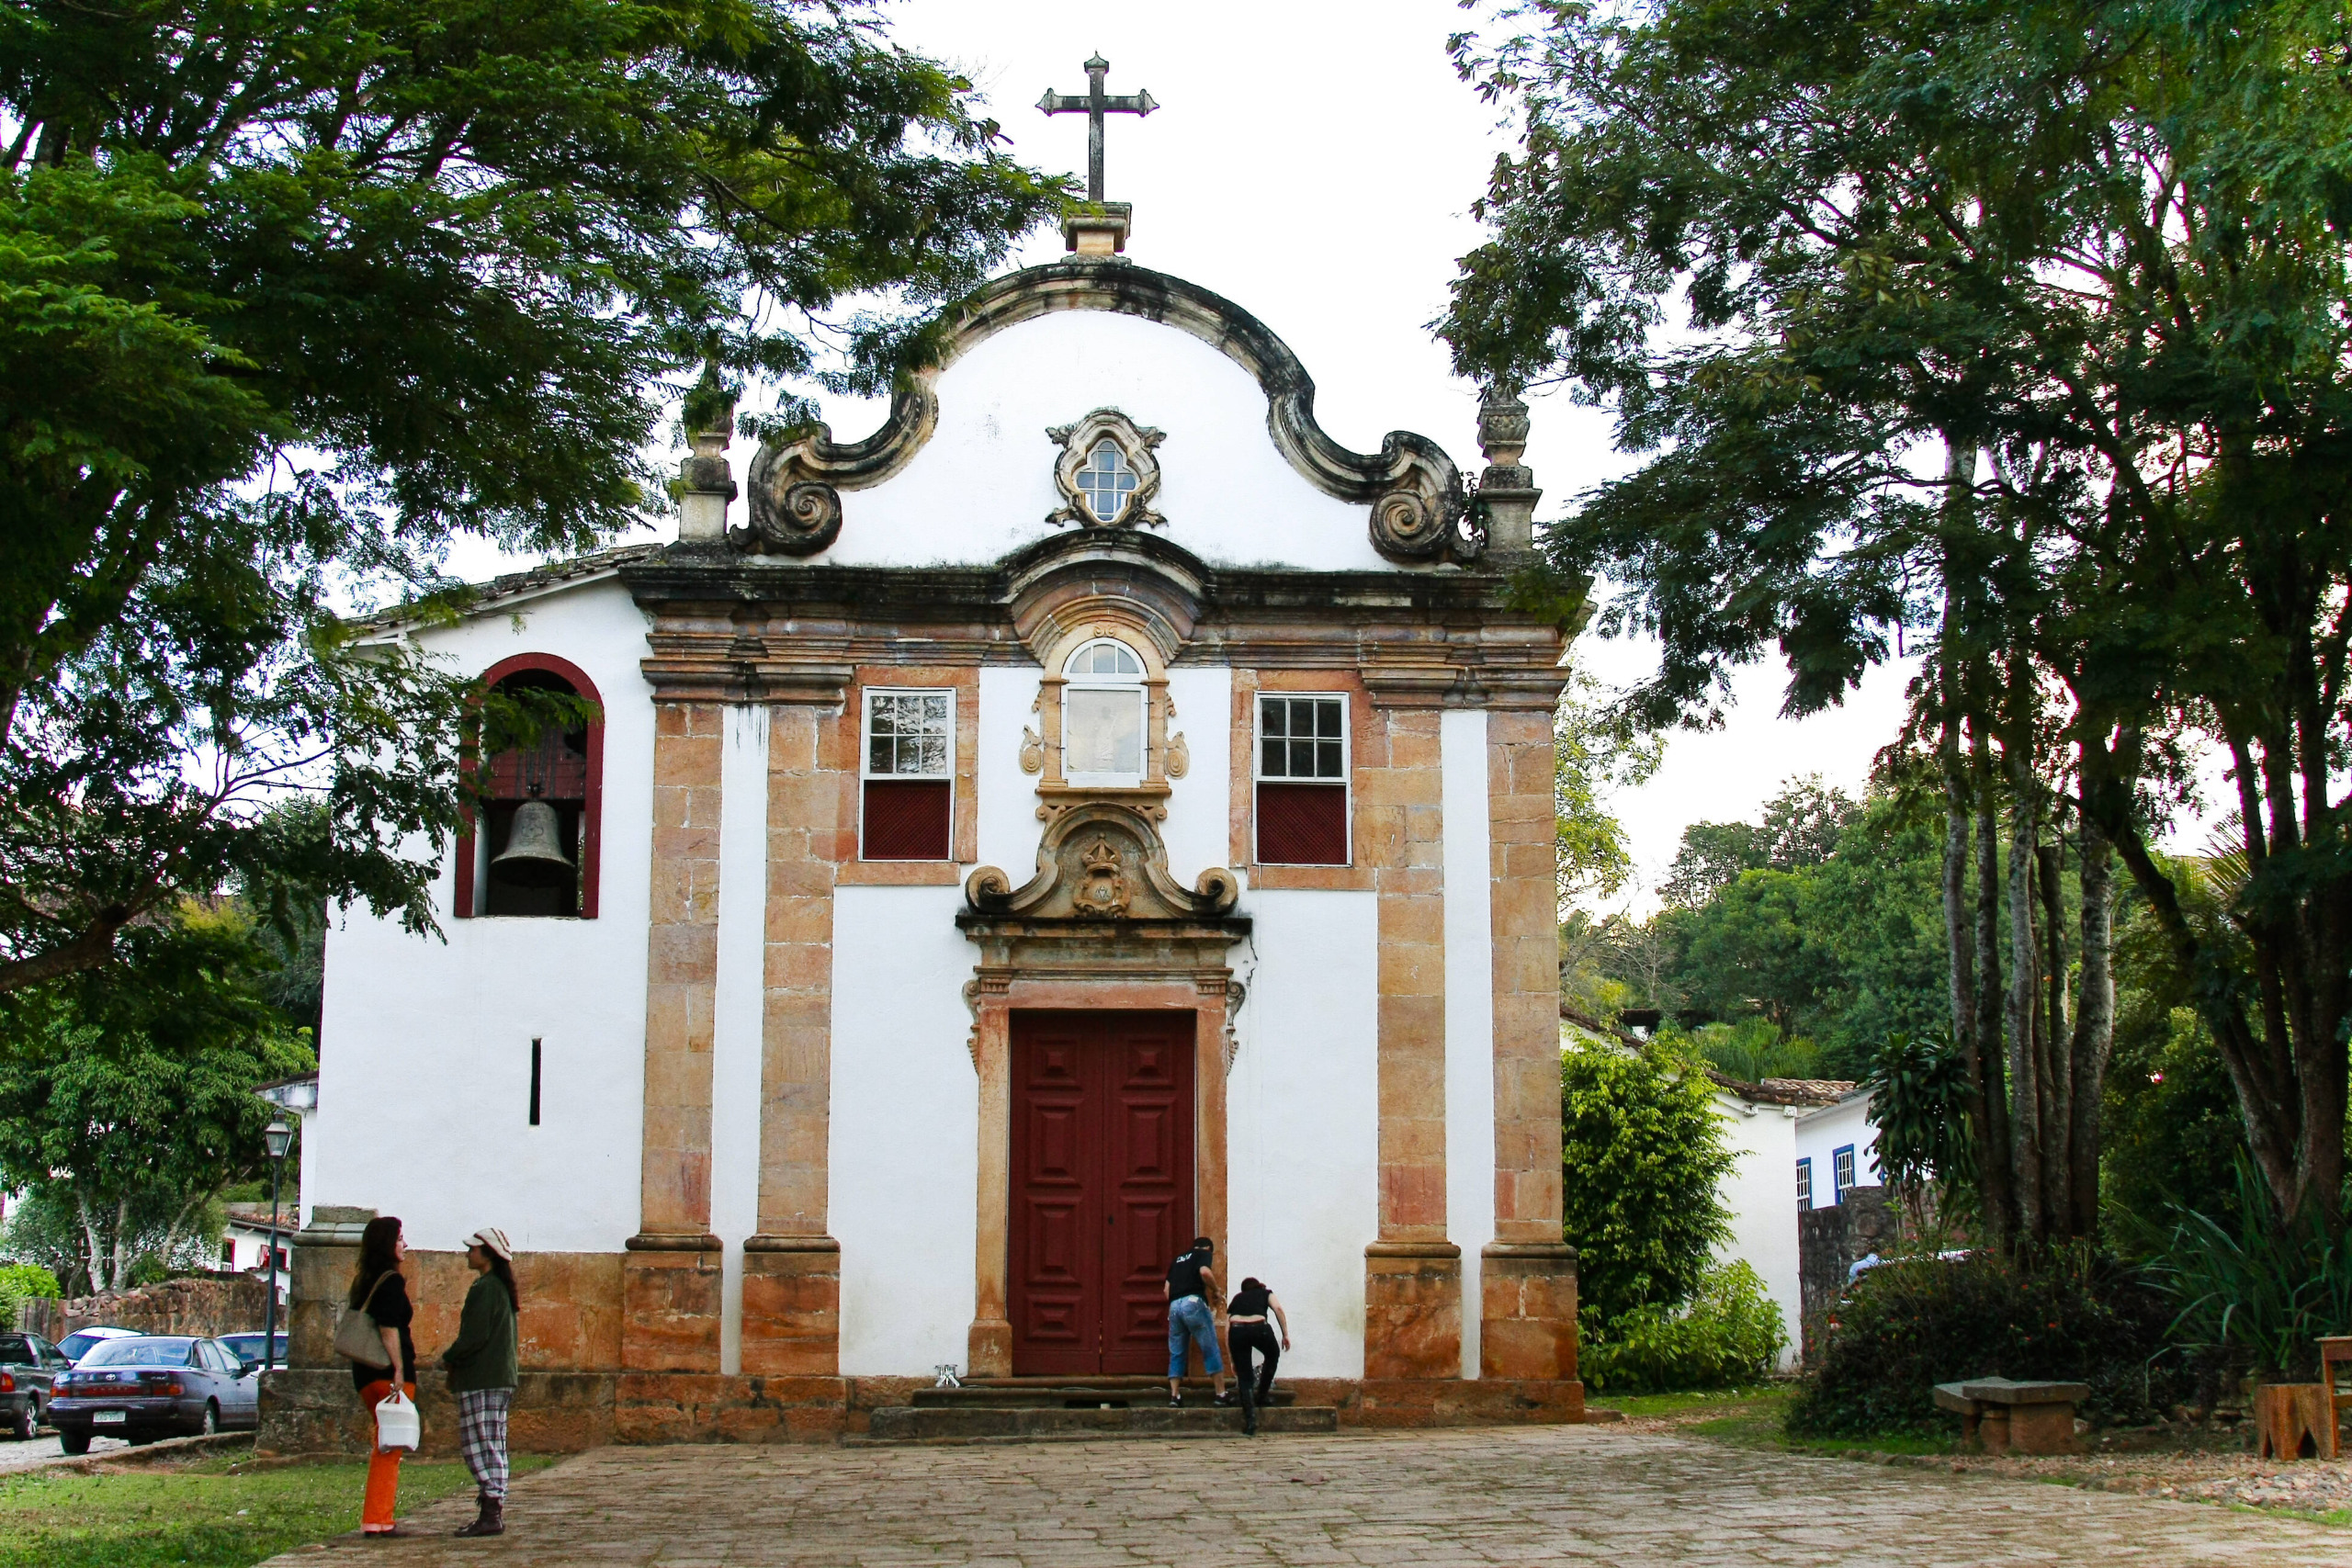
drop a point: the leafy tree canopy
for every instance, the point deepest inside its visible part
(292, 294)
(128, 1095)
(2024, 326)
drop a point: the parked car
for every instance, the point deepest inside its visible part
(153, 1386)
(82, 1341)
(28, 1365)
(247, 1346)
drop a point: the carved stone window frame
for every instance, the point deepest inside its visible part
(1165, 755)
(1134, 443)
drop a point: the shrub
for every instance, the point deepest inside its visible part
(21, 1282)
(1909, 1325)
(1728, 1332)
(1641, 1153)
(2249, 1290)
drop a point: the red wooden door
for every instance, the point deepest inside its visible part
(1101, 1188)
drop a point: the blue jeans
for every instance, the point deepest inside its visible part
(1190, 1321)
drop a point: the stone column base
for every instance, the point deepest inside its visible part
(1527, 1310)
(792, 1307)
(1412, 1310)
(670, 1303)
(988, 1349)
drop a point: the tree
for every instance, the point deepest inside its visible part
(2024, 325)
(1592, 757)
(1641, 1155)
(295, 293)
(1801, 828)
(133, 1106)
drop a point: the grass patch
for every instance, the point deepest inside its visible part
(201, 1513)
(1645, 1405)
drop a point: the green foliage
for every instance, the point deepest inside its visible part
(1754, 1050)
(293, 292)
(1841, 946)
(1641, 1155)
(1592, 757)
(2020, 329)
(1919, 1104)
(1911, 1324)
(2250, 1288)
(1801, 825)
(22, 1283)
(2174, 1134)
(129, 1102)
(1727, 1333)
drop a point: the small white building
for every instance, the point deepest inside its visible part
(246, 1237)
(1837, 1148)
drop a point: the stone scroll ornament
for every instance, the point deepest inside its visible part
(795, 487)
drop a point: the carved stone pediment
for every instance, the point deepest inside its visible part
(1101, 865)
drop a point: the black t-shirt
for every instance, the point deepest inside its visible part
(1249, 1303)
(1184, 1277)
(391, 1307)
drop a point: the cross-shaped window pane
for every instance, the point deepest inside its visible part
(906, 735)
(1107, 481)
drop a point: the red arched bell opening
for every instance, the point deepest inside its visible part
(568, 772)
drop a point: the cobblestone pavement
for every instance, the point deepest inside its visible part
(1541, 1495)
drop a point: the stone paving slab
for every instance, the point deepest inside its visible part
(1552, 1494)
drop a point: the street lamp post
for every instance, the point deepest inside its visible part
(279, 1137)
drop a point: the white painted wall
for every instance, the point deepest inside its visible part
(425, 1043)
(1824, 1130)
(904, 1160)
(1008, 797)
(1303, 1119)
(1200, 805)
(983, 484)
(739, 1010)
(1762, 1193)
(1469, 1008)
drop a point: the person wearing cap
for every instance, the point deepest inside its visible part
(481, 1367)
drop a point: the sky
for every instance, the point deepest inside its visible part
(1317, 163)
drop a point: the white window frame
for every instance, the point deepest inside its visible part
(1804, 1184)
(1844, 1171)
(1135, 684)
(1346, 781)
(865, 772)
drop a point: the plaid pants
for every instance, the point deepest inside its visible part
(482, 1437)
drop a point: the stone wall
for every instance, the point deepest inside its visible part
(205, 1304)
(1830, 1241)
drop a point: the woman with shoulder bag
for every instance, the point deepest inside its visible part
(481, 1365)
(374, 1337)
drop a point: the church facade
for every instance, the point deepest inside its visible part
(1096, 809)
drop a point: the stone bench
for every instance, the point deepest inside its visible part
(2007, 1417)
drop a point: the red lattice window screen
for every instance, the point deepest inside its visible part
(907, 819)
(1302, 824)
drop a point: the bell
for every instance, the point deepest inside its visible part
(534, 852)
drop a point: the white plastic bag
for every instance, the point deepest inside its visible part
(397, 1424)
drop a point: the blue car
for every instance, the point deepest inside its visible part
(153, 1386)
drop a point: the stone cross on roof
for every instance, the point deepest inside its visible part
(1094, 103)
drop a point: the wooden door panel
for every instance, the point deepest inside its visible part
(1102, 1194)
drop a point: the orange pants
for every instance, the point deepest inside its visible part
(383, 1465)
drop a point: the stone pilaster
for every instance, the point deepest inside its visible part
(1412, 1274)
(792, 1268)
(671, 1278)
(1528, 1302)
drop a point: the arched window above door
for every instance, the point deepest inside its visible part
(1105, 715)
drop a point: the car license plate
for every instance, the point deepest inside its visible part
(107, 1417)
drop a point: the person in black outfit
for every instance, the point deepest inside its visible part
(1191, 1287)
(1249, 1335)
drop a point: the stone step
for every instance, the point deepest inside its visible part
(1068, 1394)
(999, 1423)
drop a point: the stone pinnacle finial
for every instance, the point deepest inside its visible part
(1506, 491)
(706, 482)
